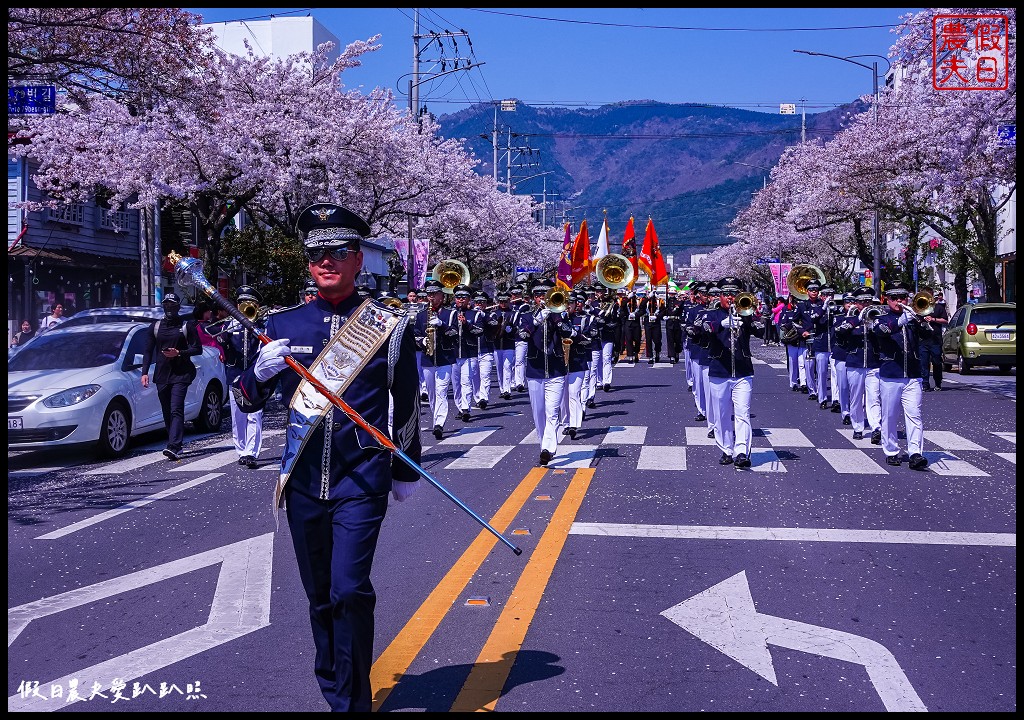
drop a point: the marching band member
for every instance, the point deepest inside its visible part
(483, 365)
(900, 376)
(806, 309)
(610, 323)
(632, 326)
(437, 338)
(521, 307)
(240, 351)
(819, 317)
(692, 349)
(545, 367)
(414, 302)
(469, 325)
(652, 314)
(791, 332)
(731, 373)
(840, 380)
(576, 381)
(862, 368)
(714, 303)
(674, 326)
(504, 343)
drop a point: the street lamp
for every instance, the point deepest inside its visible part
(764, 178)
(876, 240)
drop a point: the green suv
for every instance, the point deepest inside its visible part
(982, 334)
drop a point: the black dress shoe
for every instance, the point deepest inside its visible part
(482, 404)
(858, 435)
(424, 397)
(651, 361)
(876, 437)
(701, 417)
(726, 459)
(591, 404)
(545, 457)
(804, 389)
(606, 387)
(824, 405)
(927, 388)
(835, 406)
(251, 462)
(893, 460)
(847, 420)
(918, 462)
(172, 454)
(742, 461)
(795, 388)
(241, 460)
(711, 433)
(566, 430)
(812, 396)
(438, 432)
(572, 432)
(938, 388)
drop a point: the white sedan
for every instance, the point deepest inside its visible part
(81, 384)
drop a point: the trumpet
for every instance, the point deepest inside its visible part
(557, 300)
(745, 303)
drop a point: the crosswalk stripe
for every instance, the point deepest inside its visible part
(31, 472)
(573, 456)
(212, 462)
(943, 463)
(1010, 457)
(133, 463)
(1008, 436)
(530, 439)
(852, 462)
(950, 440)
(662, 457)
(470, 435)
(480, 457)
(625, 435)
(765, 461)
(698, 436)
(784, 437)
(864, 442)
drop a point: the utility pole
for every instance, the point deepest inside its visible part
(414, 97)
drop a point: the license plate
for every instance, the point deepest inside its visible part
(14, 424)
(1000, 336)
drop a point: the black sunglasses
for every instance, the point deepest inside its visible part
(315, 255)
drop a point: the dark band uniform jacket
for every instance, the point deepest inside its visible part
(355, 464)
(545, 360)
(728, 352)
(173, 332)
(583, 342)
(897, 347)
(861, 349)
(446, 337)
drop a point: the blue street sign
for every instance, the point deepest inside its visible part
(526, 270)
(1007, 135)
(32, 100)
(765, 261)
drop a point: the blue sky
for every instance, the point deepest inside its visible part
(736, 57)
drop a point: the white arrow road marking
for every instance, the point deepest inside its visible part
(724, 617)
(241, 605)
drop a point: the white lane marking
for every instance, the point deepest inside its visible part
(530, 439)
(210, 462)
(625, 435)
(662, 457)
(785, 437)
(241, 605)
(1008, 436)
(777, 366)
(573, 456)
(470, 435)
(727, 532)
(724, 617)
(765, 461)
(480, 457)
(943, 463)
(132, 463)
(95, 519)
(698, 436)
(855, 462)
(950, 440)
(1011, 457)
(32, 472)
(864, 442)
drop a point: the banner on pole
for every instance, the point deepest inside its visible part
(421, 251)
(779, 273)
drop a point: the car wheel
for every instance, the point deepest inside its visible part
(211, 412)
(115, 431)
(962, 366)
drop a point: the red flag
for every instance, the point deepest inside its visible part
(563, 278)
(629, 246)
(581, 254)
(651, 260)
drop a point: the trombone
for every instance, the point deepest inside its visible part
(922, 304)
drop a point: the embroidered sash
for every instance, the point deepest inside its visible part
(355, 343)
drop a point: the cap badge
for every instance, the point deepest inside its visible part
(324, 213)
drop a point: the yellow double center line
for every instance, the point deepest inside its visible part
(486, 680)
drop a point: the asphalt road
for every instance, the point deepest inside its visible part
(651, 578)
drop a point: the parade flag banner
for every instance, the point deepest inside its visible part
(780, 271)
(564, 277)
(580, 257)
(602, 243)
(629, 247)
(421, 251)
(650, 260)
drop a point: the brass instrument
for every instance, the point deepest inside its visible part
(222, 321)
(745, 303)
(392, 302)
(791, 333)
(566, 344)
(922, 304)
(870, 312)
(250, 309)
(614, 271)
(557, 300)
(451, 273)
(430, 343)
(800, 276)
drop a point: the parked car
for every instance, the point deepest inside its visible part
(80, 383)
(981, 334)
(139, 313)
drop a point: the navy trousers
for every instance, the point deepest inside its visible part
(172, 402)
(334, 543)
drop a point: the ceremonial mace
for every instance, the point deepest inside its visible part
(189, 273)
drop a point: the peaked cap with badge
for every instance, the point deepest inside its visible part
(326, 225)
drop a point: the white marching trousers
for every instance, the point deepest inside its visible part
(438, 379)
(841, 379)
(545, 400)
(731, 399)
(593, 376)
(865, 404)
(419, 372)
(589, 388)
(603, 363)
(506, 360)
(905, 392)
(810, 376)
(698, 387)
(797, 374)
(246, 430)
(519, 370)
(834, 378)
(687, 368)
(571, 410)
(822, 366)
(705, 375)
(463, 383)
(482, 376)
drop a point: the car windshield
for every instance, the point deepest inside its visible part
(994, 316)
(69, 351)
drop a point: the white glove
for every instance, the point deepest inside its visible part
(881, 327)
(271, 359)
(544, 314)
(402, 491)
(726, 322)
(436, 322)
(906, 317)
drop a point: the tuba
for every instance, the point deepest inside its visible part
(800, 277)
(451, 273)
(745, 303)
(392, 302)
(614, 271)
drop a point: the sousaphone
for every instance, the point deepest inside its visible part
(451, 274)
(800, 276)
